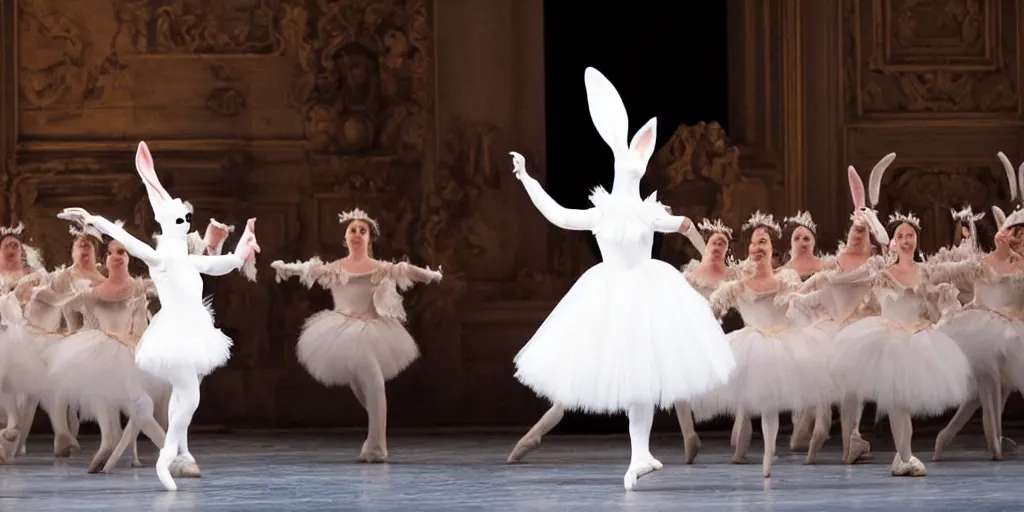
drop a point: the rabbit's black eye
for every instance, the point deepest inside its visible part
(188, 217)
(179, 220)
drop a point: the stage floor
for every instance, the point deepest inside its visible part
(250, 472)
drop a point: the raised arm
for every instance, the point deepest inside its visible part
(134, 246)
(724, 298)
(565, 218)
(245, 251)
(681, 224)
(406, 273)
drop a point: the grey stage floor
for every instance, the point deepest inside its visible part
(466, 472)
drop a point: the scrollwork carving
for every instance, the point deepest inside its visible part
(200, 26)
(365, 82)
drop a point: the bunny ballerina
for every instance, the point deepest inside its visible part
(631, 334)
(181, 343)
(361, 343)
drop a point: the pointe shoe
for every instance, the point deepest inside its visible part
(99, 460)
(639, 469)
(163, 472)
(692, 446)
(183, 467)
(373, 455)
(912, 467)
(859, 450)
(522, 449)
(64, 445)
(9, 442)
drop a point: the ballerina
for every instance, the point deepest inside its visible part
(631, 334)
(873, 352)
(780, 367)
(181, 343)
(361, 343)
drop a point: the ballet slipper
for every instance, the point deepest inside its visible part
(912, 467)
(638, 469)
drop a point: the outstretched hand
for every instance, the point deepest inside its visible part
(519, 165)
(217, 232)
(247, 247)
(77, 215)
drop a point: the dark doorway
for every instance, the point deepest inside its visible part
(666, 58)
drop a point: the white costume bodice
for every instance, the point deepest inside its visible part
(706, 286)
(355, 298)
(624, 228)
(761, 310)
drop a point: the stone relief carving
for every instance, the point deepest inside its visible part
(939, 57)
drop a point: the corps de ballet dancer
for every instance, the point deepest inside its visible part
(990, 328)
(874, 354)
(181, 343)
(362, 342)
(631, 334)
(833, 299)
(779, 367)
(704, 276)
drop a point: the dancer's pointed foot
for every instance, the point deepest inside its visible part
(64, 445)
(163, 472)
(817, 441)
(692, 445)
(9, 442)
(942, 441)
(912, 467)
(373, 454)
(522, 449)
(638, 469)
(184, 467)
(859, 450)
(99, 461)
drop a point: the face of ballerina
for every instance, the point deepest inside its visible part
(717, 247)
(117, 256)
(83, 252)
(760, 245)
(905, 238)
(10, 248)
(1010, 237)
(357, 236)
(802, 241)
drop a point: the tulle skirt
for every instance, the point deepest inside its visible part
(923, 372)
(780, 371)
(335, 348)
(22, 367)
(986, 338)
(182, 338)
(93, 371)
(624, 336)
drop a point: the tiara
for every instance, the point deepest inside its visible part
(802, 219)
(763, 220)
(357, 214)
(910, 218)
(15, 231)
(715, 227)
(966, 214)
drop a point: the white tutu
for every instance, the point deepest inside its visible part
(985, 337)
(22, 369)
(182, 337)
(93, 371)
(335, 348)
(924, 373)
(624, 336)
(775, 372)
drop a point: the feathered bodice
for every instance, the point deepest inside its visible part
(704, 284)
(123, 318)
(760, 310)
(915, 307)
(373, 293)
(840, 295)
(624, 227)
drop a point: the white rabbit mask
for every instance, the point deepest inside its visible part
(609, 116)
(1016, 182)
(173, 214)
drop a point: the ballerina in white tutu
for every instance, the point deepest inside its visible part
(361, 343)
(874, 354)
(779, 367)
(631, 334)
(181, 343)
(95, 370)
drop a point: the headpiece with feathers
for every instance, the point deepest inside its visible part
(1016, 182)
(357, 214)
(899, 218)
(802, 219)
(32, 257)
(709, 228)
(763, 220)
(966, 217)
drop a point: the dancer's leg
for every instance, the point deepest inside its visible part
(533, 437)
(959, 421)
(990, 393)
(64, 442)
(770, 431)
(822, 424)
(743, 431)
(803, 423)
(641, 417)
(109, 420)
(370, 382)
(904, 464)
(854, 446)
(9, 435)
(691, 441)
(184, 401)
(28, 415)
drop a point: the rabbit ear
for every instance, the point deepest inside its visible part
(856, 188)
(999, 216)
(606, 110)
(952, 213)
(144, 165)
(1020, 182)
(643, 141)
(1010, 177)
(875, 180)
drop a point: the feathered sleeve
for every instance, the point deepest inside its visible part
(387, 302)
(941, 301)
(789, 284)
(829, 262)
(862, 274)
(725, 297)
(310, 272)
(959, 273)
(144, 287)
(406, 274)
